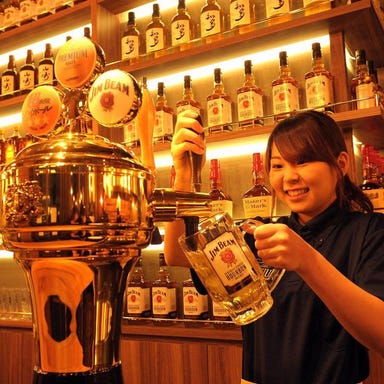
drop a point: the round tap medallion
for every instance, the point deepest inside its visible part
(77, 63)
(41, 110)
(114, 98)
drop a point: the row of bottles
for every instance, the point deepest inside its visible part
(182, 29)
(12, 145)
(14, 13)
(158, 299)
(319, 93)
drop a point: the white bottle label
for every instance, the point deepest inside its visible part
(257, 206)
(45, 74)
(210, 23)
(219, 206)
(249, 105)
(138, 300)
(129, 47)
(11, 16)
(163, 124)
(285, 98)
(7, 84)
(130, 132)
(163, 300)
(318, 90)
(365, 90)
(276, 7)
(27, 9)
(240, 13)
(180, 32)
(154, 38)
(218, 310)
(219, 112)
(228, 260)
(27, 79)
(194, 304)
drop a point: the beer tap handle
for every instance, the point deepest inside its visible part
(197, 164)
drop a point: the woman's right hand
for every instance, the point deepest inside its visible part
(188, 137)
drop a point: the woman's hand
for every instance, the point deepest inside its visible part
(188, 137)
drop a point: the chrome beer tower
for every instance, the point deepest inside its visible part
(76, 209)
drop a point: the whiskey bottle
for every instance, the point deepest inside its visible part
(318, 82)
(11, 14)
(285, 91)
(2, 149)
(241, 14)
(164, 304)
(163, 129)
(138, 293)
(182, 28)
(188, 102)
(45, 69)
(10, 79)
(131, 40)
(155, 33)
(221, 202)
(27, 11)
(219, 313)
(211, 21)
(249, 100)
(195, 305)
(219, 107)
(277, 11)
(28, 74)
(257, 201)
(13, 145)
(362, 86)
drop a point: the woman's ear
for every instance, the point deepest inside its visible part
(343, 161)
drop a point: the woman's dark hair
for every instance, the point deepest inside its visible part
(315, 136)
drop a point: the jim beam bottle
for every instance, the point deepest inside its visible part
(28, 74)
(11, 14)
(249, 100)
(164, 300)
(155, 33)
(318, 83)
(221, 201)
(138, 293)
(182, 28)
(27, 11)
(285, 91)
(131, 40)
(46, 67)
(219, 107)
(241, 14)
(188, 102)
(163, 129)
(9, 79)
(195, 305)
(362, 84)
(211, 21)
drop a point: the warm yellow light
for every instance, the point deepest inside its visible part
(146, 10)
(10, 120)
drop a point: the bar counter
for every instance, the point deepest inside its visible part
(152, 352)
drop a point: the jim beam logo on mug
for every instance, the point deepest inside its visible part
(75, 63)
(114, 98)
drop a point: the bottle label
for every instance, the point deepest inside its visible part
(195, 304)
(27, 79)
(219, 311)
(138, 300)
(45, 74)
(240, 13)
(154, 38)
(11, 16)
(228, 261)
(219, 206)
(318, 90)
(257, 206)
(219, 112)
(75, 62)
(276, 7)
(45, 6)
(285, 98)
(7, 84)
(376, 196)
(210, 23)
(363, 91)
(163, 300)
(27, 9)
(180, 32)
(249, 105)
(129, 47)
(130, 133)
(163, 124)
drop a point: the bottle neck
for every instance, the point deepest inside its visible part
(317, 63)
(284, 71)
(249, 80)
